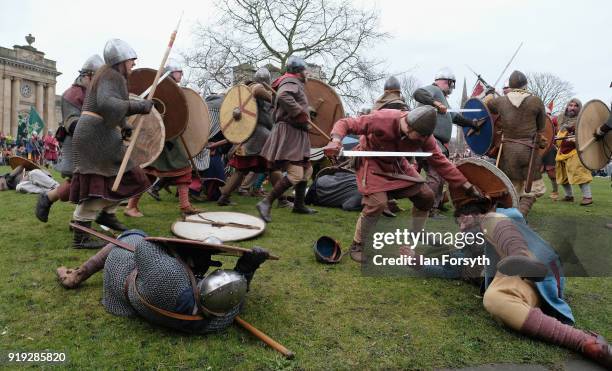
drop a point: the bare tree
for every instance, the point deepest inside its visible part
(331, 33)
(408, 84)
(550, 88)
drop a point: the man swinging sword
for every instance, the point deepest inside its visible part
(381, 177)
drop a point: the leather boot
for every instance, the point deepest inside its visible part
(72, 278)
(299, 206)
(43, 206)
(525, 204)
(111, 221)
(367, 225)
(232, 184)
(523, 266)
(82, 240)
(598, 349)
(264, 206)
(284, 203)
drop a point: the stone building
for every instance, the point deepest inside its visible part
(27, 79)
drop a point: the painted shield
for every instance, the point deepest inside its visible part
(549, 134)
(225, 225)
(327, 108)
(150, 141)
(169, 100)
(195, 136)
(594, 155)
(15, 161)
(238, 114)
(491, 181)
(480, 142)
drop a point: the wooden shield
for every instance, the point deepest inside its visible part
(150, 141)
(549, 133)
(169, 100)
(238, 114)
(593, 154)
(225, 225)
(195, 136)
(489, 179)
(480, 143)
(15, 161)
(327, 106)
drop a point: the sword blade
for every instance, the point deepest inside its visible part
(383, 154)
(460, 110)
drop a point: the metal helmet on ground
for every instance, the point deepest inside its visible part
(422, 120)
(92, 64)
(213, 240)
(392, 83)
(117, 51)
(295, 64)
(517, 80)
(327, 250)
(263, 76)
(221, 291)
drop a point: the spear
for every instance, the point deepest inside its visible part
(508, 65)
(139, 120)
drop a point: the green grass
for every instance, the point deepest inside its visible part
(332, 317)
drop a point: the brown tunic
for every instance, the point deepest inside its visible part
(289, 139)
(520, 123)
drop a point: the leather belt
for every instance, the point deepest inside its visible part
(89, 113)
(525, 142)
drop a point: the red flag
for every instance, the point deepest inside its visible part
(551, 105)
(478, 89)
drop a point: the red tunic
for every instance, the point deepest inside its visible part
(380, 131)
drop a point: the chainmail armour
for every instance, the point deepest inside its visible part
(98, 147)
(70, 113)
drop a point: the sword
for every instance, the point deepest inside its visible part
(383, 154)
(461, 110)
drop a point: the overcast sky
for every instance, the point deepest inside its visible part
(567, 38)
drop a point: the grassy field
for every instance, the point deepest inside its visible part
(332, 317)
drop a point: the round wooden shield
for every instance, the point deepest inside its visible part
(238, 114)
(225, 225)
(15, 161)
(594, 155)
(327, 106)
(169, 100)
(150, 141)
(489, 179)
(480, 142)
(196, 134)
(549, 133)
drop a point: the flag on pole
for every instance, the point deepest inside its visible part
(35, 122)
(550, 106)
(479, 89)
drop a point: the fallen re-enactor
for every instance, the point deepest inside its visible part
(524, 282)
(381, 177)
(167, 285)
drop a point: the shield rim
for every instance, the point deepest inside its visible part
(478, 115)
(578, 141)
(251, 101)
(15, 161)
(160, 148)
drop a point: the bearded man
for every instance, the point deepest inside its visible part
(568, 169)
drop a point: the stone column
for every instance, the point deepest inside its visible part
(40, 97)
(15, 93)
(6, 106)
(50, 108)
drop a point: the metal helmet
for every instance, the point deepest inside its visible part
(263, 76)
(517, 80)
(221, 291)
(327, 250)
(423, 120)
(92, 64)
(445, 74)
(392, 83)
(117, 51)
(295, 64)
(173, 67)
